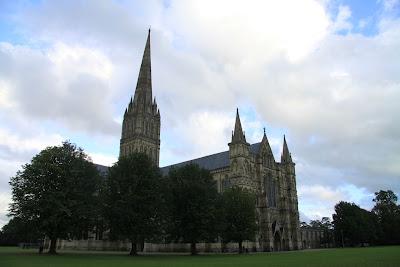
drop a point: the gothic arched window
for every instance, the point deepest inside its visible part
(270, 190)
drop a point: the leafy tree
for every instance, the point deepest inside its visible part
(17, 231)
(388, 213)
(56, 192)
(239, 217)
(194, 204)
(354, 225)
(134, 199)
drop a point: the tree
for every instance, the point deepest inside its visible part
(134, 199)
(239, 216)
(194, 204)
(353, 225)
(17, 231)
(56, 191)
(388, 213)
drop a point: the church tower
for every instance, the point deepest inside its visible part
(141, 123)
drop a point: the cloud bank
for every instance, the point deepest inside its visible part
(297, 67)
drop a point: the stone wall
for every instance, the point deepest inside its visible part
(311, 238)
(104, 245)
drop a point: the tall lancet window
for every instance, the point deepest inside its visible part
(270, 191)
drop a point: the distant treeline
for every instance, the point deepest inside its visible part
(354, 226)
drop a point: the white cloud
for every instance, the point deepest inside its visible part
(320, 192)
(103, 159)
(66, 83)
(17, 149)
(390, 5)
(5, 199)
(18, 144)
(342, 22)
(5, 99)
(316, 201)
(202, 133)
(74, 60)
(266, 29)
(336, 95)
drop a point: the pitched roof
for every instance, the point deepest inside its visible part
(103, 170)
(210, 162)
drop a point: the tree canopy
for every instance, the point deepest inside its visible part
(239, 216)
(388, 213)
(354, 225)
(194, 204)
(133, 201)
(19, 231)
(56, 191)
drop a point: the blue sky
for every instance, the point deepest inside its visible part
(325, 73)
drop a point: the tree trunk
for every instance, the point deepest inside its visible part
(193, 250)
(240, 247)
(53, 243)
(141, 245)
(133, 249)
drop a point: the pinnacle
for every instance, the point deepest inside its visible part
(285, 157)
(143, 92)
(238, 132)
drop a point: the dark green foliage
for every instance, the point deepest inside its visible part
(194, 205)
(238, 216)
(57, 192)
(353, 225)
(388, 213)
(19, 231)
(134, 199)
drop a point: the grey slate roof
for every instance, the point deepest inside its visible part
(103, 170)
(210, 162)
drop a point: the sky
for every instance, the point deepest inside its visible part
(324, 73)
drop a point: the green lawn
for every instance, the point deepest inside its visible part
(374, 256)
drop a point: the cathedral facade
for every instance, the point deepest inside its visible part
(250, 166)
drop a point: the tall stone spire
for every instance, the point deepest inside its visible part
(285, 157)
(141, 123)
(238, 135)
(143, 93)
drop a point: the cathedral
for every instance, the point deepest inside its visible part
(250, 166)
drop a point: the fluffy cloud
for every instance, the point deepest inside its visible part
(316, 201)
(16, 150)
(267, 29)
(103, 159)
(342, 22)
(4, 201)
(65, 83)
(335, 95)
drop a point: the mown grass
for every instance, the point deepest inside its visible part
(373, 256)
